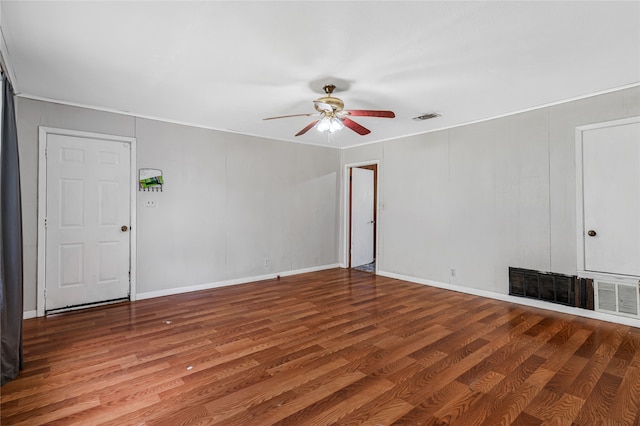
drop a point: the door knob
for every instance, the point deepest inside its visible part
(591, 233)
(124, 228)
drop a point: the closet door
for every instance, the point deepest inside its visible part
(611, 199)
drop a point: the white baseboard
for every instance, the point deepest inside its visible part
(244, 280)
(519, 300)
(29, 314)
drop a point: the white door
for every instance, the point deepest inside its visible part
(611, 185)
(87, 221)
(362, 222)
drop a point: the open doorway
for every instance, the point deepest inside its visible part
(363, 182)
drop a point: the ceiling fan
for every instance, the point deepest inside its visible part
(333, 116)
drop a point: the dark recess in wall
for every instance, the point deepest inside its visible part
(551, 287)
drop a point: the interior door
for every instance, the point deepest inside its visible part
(87, 221)
(362, 216)
(611, 185)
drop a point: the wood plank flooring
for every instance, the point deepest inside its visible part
(332, 347)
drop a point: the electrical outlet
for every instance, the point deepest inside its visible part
(267, 262)
(453, 272)
(150, 203)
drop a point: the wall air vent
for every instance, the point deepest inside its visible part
(426, 116)
(618, 298)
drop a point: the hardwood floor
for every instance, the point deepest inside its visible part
(336, 346)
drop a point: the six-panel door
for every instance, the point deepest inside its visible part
(87, 232)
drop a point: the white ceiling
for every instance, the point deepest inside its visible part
(227, 65)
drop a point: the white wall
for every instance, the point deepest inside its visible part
(486, 196)
(229, 202)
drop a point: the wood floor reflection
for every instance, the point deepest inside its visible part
(331, 347)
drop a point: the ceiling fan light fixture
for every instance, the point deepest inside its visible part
(330, 124)
(335, 125)
(323, 125)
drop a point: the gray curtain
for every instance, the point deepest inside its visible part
(11, 249)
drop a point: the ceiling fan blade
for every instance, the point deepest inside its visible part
(355, 127)
(370, 113)
(306, 129)
(293, 115)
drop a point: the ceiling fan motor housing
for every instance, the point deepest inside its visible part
(335, 103)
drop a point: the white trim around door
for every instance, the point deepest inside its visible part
(42, 202)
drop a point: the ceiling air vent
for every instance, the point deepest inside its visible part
(426, 116)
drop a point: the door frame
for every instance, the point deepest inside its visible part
(42, 206)
(346, 226)
(580, 237)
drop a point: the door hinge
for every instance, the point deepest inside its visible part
(45, 222)
(46, 152)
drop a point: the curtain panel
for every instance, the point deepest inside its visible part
(11, 305)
